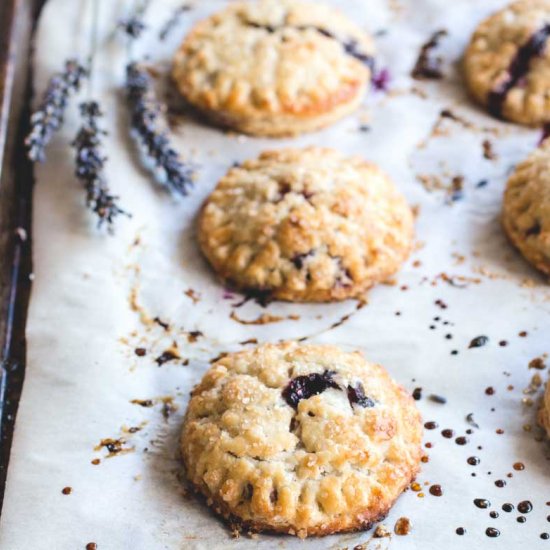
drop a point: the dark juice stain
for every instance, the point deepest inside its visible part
(492, 532)
(473, 460)
(436, 490)
(519, 466)
(166, 356)
(431, 425)
(460, 531)
(525, 506)
(478, 342)
(447, 433)
(508, 507)
(461, 440)
(500, 483)
(482, 503)
(427, 65)
(438, 399)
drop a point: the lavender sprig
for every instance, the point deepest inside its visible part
(49, 116)
(90, 163)
(145, 110)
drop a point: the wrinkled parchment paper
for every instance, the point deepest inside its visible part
(95, 298)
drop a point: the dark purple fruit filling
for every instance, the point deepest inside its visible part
(269, 28)
(304, 387)
(356, 396)
(351, 46)
(534, 230)
(248, 491)
(518, 69)
(545, 132)
(298, 259)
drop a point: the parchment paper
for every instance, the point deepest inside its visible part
(95, 298)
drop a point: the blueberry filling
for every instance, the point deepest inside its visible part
(351, 46)
(269, 28)
(518, 69)
(534, 230)
(304, 387)
(298, 259)
(248, 490)
(307, 195)
(345, 280)
(356, 396)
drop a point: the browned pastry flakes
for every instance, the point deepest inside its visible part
(305, 440)
(274, 67)
(306, 225)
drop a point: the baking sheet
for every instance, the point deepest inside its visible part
(95, 300)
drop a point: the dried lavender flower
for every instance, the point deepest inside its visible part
(90, 164)
(132, 26)
(145, 111)
(49, 116)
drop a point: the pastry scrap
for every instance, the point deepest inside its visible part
(275, 67)
(308, 225)
(526, 208)
(305, 440)
(507, 63)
